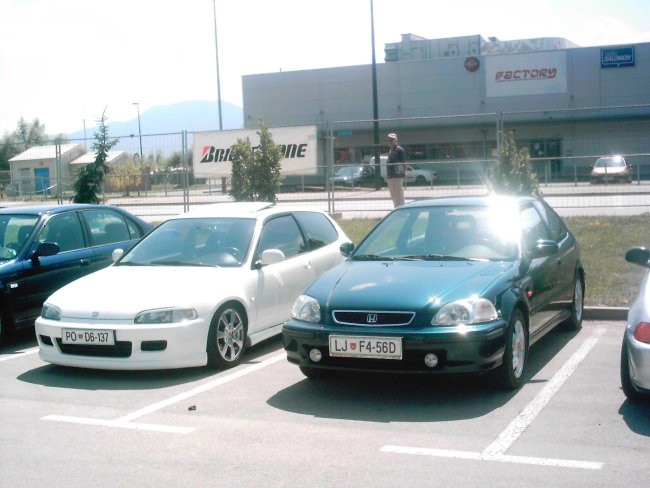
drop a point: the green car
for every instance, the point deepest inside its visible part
(443, 286)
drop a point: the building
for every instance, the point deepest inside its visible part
(450, 100)
(37, 170)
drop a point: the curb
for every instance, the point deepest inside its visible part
(605, 313)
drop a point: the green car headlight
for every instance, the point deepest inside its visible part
(306, 309)
(465, 312)
(165, 316)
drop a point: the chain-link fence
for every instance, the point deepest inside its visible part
(447, 155)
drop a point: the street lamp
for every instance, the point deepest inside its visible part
(139, 130)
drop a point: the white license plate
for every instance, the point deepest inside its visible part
(366, 347)
(96, 337)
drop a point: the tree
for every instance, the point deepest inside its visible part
(29, 135)
(126, 177)
(513, 174)
(256, 170)
(88, 184)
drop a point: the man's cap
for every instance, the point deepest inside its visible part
(392, 135)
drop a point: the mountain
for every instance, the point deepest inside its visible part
(192, 116)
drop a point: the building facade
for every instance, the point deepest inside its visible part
(450, 101)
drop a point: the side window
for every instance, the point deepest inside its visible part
(282, 233)
(556, 227)
(106, 227)
(533, 227)
(318, 230)
(65, 230)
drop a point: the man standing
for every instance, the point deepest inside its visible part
(395, 170)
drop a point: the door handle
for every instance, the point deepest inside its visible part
(84, 262)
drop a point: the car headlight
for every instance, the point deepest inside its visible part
(50, 312)
(464, 312)
(306, 309)
(165, 315)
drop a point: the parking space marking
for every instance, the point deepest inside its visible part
(496, 450)
(126, 421)
(19, 354)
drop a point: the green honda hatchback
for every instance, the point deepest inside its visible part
(443, 286)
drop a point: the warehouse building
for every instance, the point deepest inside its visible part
(450, 100)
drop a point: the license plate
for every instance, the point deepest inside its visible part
(366, 347)
(96, 337)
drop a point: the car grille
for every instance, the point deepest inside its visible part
(372, 319)
(121, 349)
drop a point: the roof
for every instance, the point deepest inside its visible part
(467, 200)
(89, 157)
(229, 209)
(46, 209)
(46, 152)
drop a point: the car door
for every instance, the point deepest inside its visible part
(279, 284)
(38, 278)
(108, 230)
(544, 271)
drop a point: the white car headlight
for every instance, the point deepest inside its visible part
(307, 309)
(50, 312)
(165, 315)
(465, 312)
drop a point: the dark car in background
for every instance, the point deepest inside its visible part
(45, 247)
(443, 286)
(635, 351)
(360, 175)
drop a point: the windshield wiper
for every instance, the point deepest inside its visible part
(438, 257)
(372, 257)
(163, 262)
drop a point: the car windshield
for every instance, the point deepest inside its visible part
(439, 233)
(615, 162)
(194, 242)
(15, 229)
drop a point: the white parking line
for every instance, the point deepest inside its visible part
(19, 354)
(126, 422)
(496, 450)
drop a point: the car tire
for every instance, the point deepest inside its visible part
(509, 375)
(3, 330)
(314, 373)
(227, 337)
(626, 381)
(574, 322)
(420, 180)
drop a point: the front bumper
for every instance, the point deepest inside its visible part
(468, 349)
(137, 347)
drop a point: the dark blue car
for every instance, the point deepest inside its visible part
(443, 286)
(44, 247)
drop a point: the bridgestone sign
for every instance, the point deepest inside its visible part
(213, 150)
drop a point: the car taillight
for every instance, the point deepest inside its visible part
(642, 332)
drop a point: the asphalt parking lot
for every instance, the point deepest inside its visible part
(263, 424)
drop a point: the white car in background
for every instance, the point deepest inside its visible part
(198, 290)
(418, 176)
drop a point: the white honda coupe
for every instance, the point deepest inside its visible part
(198, 290)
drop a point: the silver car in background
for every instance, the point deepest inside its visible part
(635, 351)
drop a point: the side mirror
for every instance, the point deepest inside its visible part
(117, 254)
(45, 249)
(347, 248)
(271, 256)
(544, 248)
(638, 255)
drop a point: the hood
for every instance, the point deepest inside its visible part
(120, 292)
(405, 285)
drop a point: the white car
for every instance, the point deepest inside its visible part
(198, 290)
(417, 176)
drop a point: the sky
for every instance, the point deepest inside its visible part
(64, 62)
